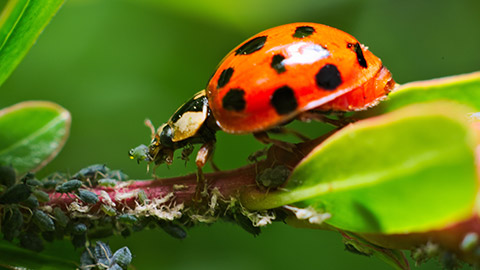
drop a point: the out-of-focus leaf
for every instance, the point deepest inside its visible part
(464, 89)
(21, 22)
(406, 171)
(31, 134)
(251, 13)
(13, 256)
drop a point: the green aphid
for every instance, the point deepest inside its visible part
(140, 153)
(107, 182)
(127, 219)
(87, 196)
(11, 223)
(122, 257)
(60, 217)
(31, 202)
(92, 172)
(42, 196)
(118, 175)
(15, 194)
(108, 210)
(273, 177)
(142, 196)
(173, 229)
(7, 176)
(43, 221)
(79, 228)
(69, 186)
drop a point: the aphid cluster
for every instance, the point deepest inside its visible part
(24, 210)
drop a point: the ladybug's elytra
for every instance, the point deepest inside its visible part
(298, 70)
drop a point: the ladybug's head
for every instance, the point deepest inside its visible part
(192, 123)
(161, 148)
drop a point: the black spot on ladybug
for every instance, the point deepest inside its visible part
(357, 48)
(328, 77)
(252, 45)
(277, 63)
(283, 100)
(234, 100)
(303, 31)
(224, 77)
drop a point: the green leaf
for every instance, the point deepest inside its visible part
(22, 258)
(31, 134)
(21, 22)
(406, 171)
(464, 89)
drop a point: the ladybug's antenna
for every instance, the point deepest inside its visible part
(149, 124)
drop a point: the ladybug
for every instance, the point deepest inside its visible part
(294, 71)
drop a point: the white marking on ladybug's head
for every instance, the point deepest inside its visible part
(304, 53)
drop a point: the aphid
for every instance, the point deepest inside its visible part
(79, 228)
(273, 177)
(107, 182)
(91, 172)
(140, 153)
(43, 221)
(42, 196)
(69, 186)
(173, 229)
(87, 196)
(15, 194)
(122, 257)
(108, 210)
(127, 219)
(31, 202)
(60, 217)
(11, 223)
(7, 176)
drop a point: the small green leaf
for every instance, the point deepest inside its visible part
(21, 22)
(31, 134)
(410, 170)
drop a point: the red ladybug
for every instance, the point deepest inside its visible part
(298, 70)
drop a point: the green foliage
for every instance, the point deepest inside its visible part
(21, 22)
(390, 174)
(462, 89)
(32, 133)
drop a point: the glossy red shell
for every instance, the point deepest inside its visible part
(362, 83)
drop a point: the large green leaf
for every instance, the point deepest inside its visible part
(31, 134)
(463, 89)
(409, 170)
(21, 22)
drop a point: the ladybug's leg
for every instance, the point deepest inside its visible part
(284, 130)
(264, 138)
(321, 116)
(203, 155)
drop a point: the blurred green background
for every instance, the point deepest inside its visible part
(115, 63)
